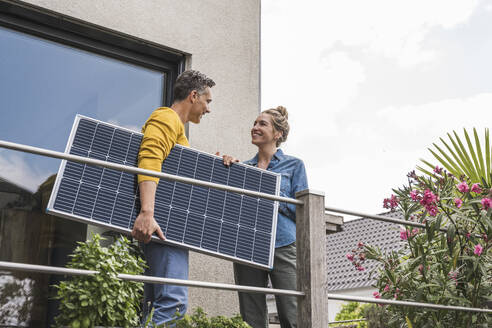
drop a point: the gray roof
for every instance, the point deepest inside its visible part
(341, 273)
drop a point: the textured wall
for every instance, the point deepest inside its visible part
(223, 38)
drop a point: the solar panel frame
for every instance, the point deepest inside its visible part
(90, 196)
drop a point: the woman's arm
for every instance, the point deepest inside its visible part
(298, 183)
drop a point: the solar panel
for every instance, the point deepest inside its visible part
(224, 224)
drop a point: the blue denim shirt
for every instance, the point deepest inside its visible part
(294, 179)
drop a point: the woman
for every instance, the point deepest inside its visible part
(269, 130)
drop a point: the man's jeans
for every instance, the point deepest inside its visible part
(167, 262)
(283, 276)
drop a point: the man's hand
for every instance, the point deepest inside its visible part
(144, 226)
(228, 160)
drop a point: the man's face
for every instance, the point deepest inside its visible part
(200, 105)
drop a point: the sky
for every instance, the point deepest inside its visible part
(370, 85)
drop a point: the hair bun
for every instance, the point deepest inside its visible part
(283, 111)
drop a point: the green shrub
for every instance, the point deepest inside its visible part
(101, 299)
(199, 320)
(451, 267)
(351, 310)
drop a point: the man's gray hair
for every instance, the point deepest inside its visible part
(191, 80)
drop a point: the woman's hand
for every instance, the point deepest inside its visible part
(228, 160)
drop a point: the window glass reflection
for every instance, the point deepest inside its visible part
(43, 85)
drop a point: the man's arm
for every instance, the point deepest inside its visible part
(145, 224)
(159, 137)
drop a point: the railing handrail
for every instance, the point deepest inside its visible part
(376, 217)
(147, 279)
(193, 283)
(135, 170)
(345, 321)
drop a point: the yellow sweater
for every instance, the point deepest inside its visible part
(161, 132)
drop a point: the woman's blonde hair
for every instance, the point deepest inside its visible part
(280, 122)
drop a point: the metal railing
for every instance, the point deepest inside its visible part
(311, 254)
(135, 170)
(148, 279)
(376, 217)
(346, 321)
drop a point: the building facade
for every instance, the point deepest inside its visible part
(115, 61)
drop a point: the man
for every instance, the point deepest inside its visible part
(164, 129)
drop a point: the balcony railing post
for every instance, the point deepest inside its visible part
(312, 309)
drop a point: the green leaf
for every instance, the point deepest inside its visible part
(487, 158)
(450, 165)
(459, 162)
(466, 157)
(463, 158)
(473, 155)
(479, 153)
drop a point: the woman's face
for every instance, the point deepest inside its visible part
(263, 131)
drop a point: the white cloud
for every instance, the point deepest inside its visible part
(15, 168)
(318, 58)
(339, 78)
(371, 153)
(391, 28)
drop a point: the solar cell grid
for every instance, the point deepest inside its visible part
(222, 223)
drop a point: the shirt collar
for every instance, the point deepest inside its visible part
(278, 156)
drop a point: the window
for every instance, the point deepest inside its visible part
(47, 76)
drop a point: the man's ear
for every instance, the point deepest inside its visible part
(193, 96)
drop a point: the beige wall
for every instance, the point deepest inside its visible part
(223, 38)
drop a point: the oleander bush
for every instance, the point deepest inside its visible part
(450, 267)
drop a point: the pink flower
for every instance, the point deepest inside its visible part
(463, 187)
(476, 188)
(362, 256)
(403, 234)
(376, 295)
(350, 257)
(437, 170)
(386, 288)
(432, 210)
(458, 202)
(468, 235)
(478, 249)
(486, 203)
(415, 231)
(414, 194)
(429, 198)
(391, 203)
(421, 268)
(360, 244)
(360, 268)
